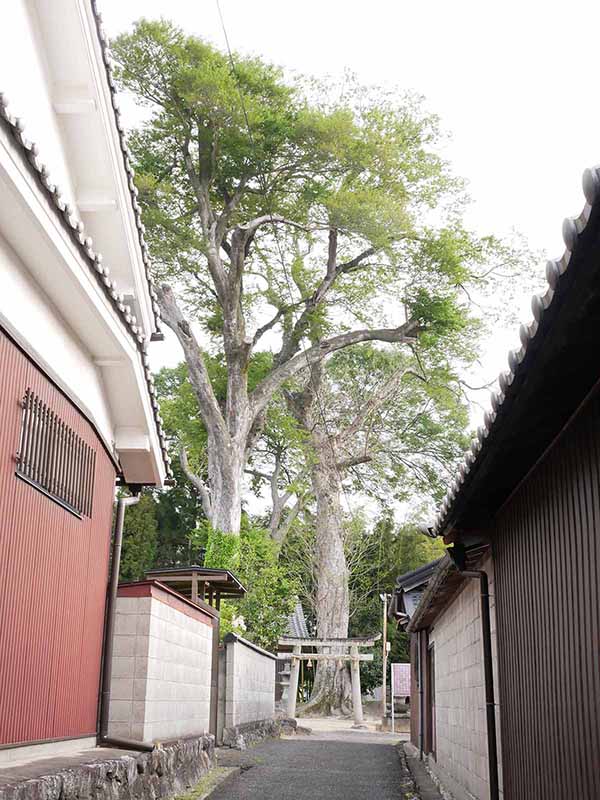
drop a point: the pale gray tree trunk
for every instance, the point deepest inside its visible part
(227, 243)
(225, 477)
(333, 454)
(232, 431)
(332, 691)
(332, 688)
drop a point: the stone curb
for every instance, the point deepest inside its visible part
(408, 787)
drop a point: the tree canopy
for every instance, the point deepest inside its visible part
(315, 269)
(289, 218)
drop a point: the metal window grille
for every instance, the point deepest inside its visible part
(54, 459)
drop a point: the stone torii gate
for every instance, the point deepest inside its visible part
(329, 650)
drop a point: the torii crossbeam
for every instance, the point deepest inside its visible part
(329, 650)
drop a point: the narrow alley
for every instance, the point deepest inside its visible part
(336, 763)
(333, 766)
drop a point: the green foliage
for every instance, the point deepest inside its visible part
(358, 166)
(178, 513)
(415, 438)
(253, 557)
(140, 529)
(222, 551)
(391, 551)
(356, 159)
(182, 422)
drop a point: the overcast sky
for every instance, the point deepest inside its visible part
(514, 83)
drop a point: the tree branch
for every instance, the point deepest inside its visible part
(196, 482)
(265, 390)
(347, 266)
(208, 404)
(278, 535)
(231, 204)
(292, 343)
(257, 474)
(354, 461)
(274, 320)
(200, 187)
(379, 397)
(251, 227)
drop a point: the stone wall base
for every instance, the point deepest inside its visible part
(239, 737)
(163, 773)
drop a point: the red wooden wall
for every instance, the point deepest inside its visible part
(53, 575)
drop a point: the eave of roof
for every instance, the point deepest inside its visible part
(108, 65)
(439, 578)
(201, 572)
(549, 376)
(416, 576)
(405, 583)
(92, 259)
(444, 584)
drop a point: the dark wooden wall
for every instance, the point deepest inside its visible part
(428, 692)
(53, 574)
(414, 690)
(547, 562)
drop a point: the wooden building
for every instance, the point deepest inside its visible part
(200, 583)
(525, 510)
(77, 405)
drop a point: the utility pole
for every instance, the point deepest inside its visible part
(384, 598)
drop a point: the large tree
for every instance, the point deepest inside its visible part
(393, 424)
(280, 217)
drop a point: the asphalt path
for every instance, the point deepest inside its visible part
(323, 767)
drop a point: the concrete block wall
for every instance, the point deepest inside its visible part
(461, 762)
(246, 683)
(162, 665)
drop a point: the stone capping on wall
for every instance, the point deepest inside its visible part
(233, 637)
(159, 591)
(162, 774)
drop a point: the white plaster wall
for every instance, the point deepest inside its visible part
(250, 685)
(54, 80)
(161, 677)
(26, 79)
(461, 741)
(25, 307)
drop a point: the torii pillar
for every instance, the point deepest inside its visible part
(356, 693)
